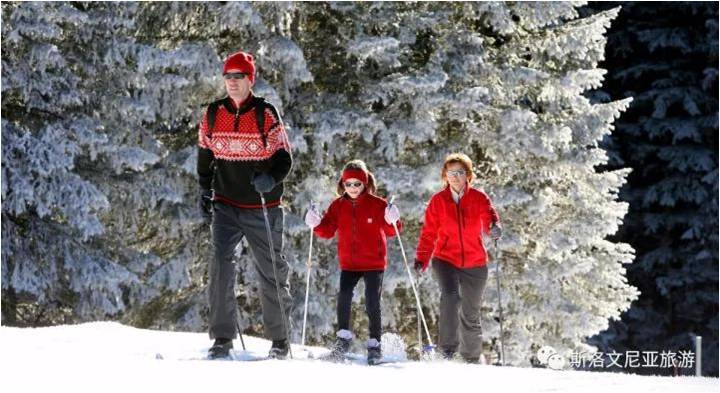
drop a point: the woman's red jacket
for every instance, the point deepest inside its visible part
(452, 232)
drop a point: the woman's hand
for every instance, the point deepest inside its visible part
(495, 231)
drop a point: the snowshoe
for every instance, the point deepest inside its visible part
(220, 349)
(279, 349)
(342, 345)
(448, 354)
(374, 352)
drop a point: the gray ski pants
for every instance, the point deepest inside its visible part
(229, 225)
(460, 303)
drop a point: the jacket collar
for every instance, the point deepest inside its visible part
(360, 197)
(447, 193)
(246, 105)
(456, 195)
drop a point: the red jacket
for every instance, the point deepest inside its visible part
(452, 232)
(361, 229)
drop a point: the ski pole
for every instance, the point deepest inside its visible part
(419, 330)
(497, 277)
(430, 346)
(237, 325)
(307, 282)
(277, 283)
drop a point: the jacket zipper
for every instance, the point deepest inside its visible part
(462, 246)
(354, 230)
(237, 117)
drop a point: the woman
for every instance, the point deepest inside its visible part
(451, 237)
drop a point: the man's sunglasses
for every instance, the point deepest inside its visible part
(235, 75)
(355, 184)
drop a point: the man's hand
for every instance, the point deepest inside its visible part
(263, 182)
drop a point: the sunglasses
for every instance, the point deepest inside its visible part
(235, 75)
(355, 184)
(457, 173)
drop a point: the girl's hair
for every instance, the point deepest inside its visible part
(358, 164)
(461, 159)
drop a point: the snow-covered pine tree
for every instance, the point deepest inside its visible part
(51, 206)
(665, 56)
(397, 84)
(88, 185)
(503, 83)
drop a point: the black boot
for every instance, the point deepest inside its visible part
(374, 352)
(448, 354)
(279, 349)
(220, 349)
(342, 344)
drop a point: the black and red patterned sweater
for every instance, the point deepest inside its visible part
(234, 151)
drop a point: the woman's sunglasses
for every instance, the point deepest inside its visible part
(355, 184)
(456, 173)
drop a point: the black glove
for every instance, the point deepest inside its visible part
(495, 231)
(206, 203)
(263, 182)
(419, 267)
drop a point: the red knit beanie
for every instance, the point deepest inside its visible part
(241, 61)
(354, 173)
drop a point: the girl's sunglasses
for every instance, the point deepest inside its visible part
(355, 184)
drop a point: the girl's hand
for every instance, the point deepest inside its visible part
(392, 214)
(312, 218)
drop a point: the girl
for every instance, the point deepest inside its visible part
(455, 220)
(362, 221)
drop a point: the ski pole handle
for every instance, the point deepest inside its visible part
(313, 207)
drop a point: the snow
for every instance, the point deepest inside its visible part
(110, 357)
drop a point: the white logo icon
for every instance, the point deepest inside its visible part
(548, 356)
(556, 362)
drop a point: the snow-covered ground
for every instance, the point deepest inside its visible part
(110, 357)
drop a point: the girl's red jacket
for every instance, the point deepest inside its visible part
(452, 232)
(362, 231)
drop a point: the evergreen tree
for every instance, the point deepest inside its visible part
(503, 83)
(399, 85)
(665, 56)
(94, 216)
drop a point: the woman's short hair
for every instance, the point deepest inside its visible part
(461, 159)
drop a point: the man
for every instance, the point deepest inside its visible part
(244, 152)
